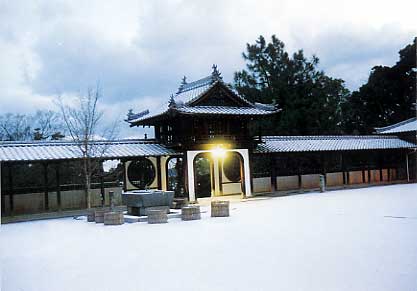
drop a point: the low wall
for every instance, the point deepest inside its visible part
(262, 184)
(356, 177)
(75, 199)
(375, 176)
(231, 188)
(285, 183)
(334, 179)
(310, 181)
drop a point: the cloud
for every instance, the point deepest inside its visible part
(139, 50)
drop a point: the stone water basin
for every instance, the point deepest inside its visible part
(139, 201)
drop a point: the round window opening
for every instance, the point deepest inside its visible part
(141, 173)
(231, 167)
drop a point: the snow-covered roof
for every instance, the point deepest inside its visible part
(188, 93)
(273, 144)
(58, 150)
(403, 126)
(224, 110)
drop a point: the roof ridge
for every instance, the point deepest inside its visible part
(317, 137)
(66, 142)
(195, 84)
(391, 126)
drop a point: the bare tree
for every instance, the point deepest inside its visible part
(44, 124)
(48, 124)
(15, 127)
(83, 122)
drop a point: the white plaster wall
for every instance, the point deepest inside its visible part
(154, 184)
(232, 188)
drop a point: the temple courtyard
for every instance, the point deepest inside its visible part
(358, 239)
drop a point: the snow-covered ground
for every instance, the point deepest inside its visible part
(362, 239)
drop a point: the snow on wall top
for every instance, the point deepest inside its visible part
(273, 144)
(39, 151)
(403, 126)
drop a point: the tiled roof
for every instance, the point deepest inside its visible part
(224, 110)
(36, 151)
(273, 144)
(190, 92)
(403, 126)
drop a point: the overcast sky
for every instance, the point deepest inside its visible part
(139, 50)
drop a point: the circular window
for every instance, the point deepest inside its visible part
(141, 173)
(231, 167)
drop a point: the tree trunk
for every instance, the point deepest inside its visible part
(87, 182)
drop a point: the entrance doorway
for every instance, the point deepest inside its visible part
(203, 175)
(175, 176)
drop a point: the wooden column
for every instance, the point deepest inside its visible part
(323, 166)
(242, 176)
(345, 180)
(3, 208)
(58, 187)
(158, 173)
(273, 173)
(11, 198)
(407, 167)
(381, 177)
(45, 181)
(220, 176)
(347, 172)
(124, 176)
(102, 188)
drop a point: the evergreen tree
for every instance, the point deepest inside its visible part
(310, 100)
(386, 98)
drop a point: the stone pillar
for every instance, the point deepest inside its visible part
(1, 195)
(190, 175)
(111, 198)
(216, 176)
(246, 170)
(164, 173)
(159, 172)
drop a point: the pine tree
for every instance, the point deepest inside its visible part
(310, 100)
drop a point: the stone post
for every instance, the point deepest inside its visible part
(111, 198)
(322, 183)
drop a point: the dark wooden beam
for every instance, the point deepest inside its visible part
(124, 176)
(273, 173)
(11, 198)
(102, 189)
(220, 171)
(242, 176)
(158, 172)
(45, 181)
(2, 191)
(342, 160)
(58, 187)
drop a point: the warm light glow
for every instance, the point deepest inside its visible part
(219, 152)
